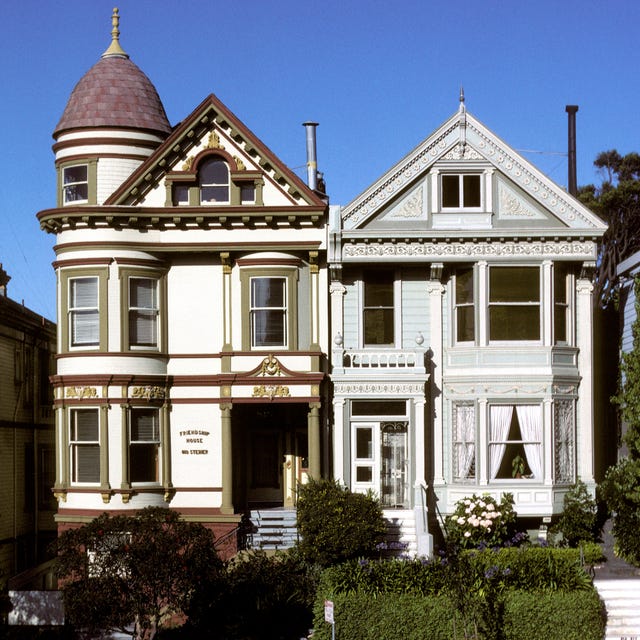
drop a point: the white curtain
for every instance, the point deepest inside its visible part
(530, 419)
(465, 436)
(500, 417)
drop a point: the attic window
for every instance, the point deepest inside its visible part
(461, 191)
(213, 177)
(247, 193)
(75, 187)
(180, 195)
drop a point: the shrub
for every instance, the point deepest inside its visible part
(579, 520)
(336, 524)
(481, 520)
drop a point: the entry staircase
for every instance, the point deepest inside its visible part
(275, 529)
(622, 600)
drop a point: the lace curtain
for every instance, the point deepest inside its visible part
(465, 445)
(530, 419)
(500, 417)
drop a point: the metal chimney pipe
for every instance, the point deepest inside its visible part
(312, 159)
(571, 109)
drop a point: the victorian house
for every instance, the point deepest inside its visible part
(461, 323)
(192, 333)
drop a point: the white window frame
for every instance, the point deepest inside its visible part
(70, 186)
(464, 424)
(77, 444)
(461, 190)
(457, 306)
(137, 313)
(76, 311)
(256, 311)
(394, 307)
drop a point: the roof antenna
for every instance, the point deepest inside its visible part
(462, 119)
(114, 48)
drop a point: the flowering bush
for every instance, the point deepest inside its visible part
(482, 521)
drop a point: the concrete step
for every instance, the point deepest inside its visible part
(622, 601)
(274, 528)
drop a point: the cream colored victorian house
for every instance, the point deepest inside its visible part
(461, 321)
(192, 332)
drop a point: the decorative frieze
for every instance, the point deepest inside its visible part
(81, 392)
(148, 393)
(378, 388)
(271, 391)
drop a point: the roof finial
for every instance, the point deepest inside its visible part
(114, 48)
(462, 108)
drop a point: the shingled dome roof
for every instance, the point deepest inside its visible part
(114, 93)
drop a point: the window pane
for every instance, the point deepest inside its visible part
(267, 292)
(364, 442)
(144, 425)
(143, 461)
(75, 192)
(75, 174)
(85, 447)
(86, 463)
(214, 172)
(180, 195)
(514, 322)
(378, 289)
(364, 474)
(85, 425)
(464, 285)
(514, 284)
(378, 326)
(451, 191)
(214, 194)
(465, 318)
(471, 191)
(85, 328)
(247, 193)
(379, 408)
(268, 328)
(84, 293)
(143, 312)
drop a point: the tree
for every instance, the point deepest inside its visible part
(617, 202)
(621, 486)
(337, 525)
(135, 573)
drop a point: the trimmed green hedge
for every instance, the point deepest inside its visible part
(558, 615)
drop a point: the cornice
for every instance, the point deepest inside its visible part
(445, 249)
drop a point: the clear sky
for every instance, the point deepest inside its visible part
(378, 76)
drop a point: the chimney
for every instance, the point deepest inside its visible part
(571, 109)
(4, 281)
(312, 160)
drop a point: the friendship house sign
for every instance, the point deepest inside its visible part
(193, 441)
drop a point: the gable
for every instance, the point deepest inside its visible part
(514, 193)
(212, 130)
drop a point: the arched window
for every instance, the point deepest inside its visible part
(213, 177)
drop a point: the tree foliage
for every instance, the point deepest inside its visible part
(135, 573)
(617, 202)
(621, 486)
(336, 524)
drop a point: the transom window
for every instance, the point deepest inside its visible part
(143, 312)
(268, 311)
(85, 446)
(84, 311)
(75, 184)
(214, 181)
(378, 310)
(514, 303)
(144, 444)
(461, 191)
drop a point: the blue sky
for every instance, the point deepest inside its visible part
(378, 76)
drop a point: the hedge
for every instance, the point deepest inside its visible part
(557, 615)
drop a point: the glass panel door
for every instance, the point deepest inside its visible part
(394, 472)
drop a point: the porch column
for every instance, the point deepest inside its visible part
(313, 437)
(584, 404)
(166, 450)
(227, 460)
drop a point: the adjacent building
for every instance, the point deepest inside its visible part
(27, 460)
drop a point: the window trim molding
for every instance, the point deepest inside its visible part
(66, 275)
(124, 274)
(291, 275)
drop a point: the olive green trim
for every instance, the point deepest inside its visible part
(291, 275)
(165, 447)
(124, 274)
(65, 319)
(103, 426)
(124, 435)
(92, 180)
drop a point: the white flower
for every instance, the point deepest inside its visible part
(491, 507)
(467, 534)
(461, 520)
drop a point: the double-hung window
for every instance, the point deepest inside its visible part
(144, 445)
(84, 441)
(378, 308)
(75, 184)
(268, 311)
(464, 305)
(561, 306)
(143, 312)
(84, 319)
(461, 191)
(514, 303)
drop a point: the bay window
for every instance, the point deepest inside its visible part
(144, 445)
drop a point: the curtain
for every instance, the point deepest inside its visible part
(500, 418)
(465, 439)
(530, 419)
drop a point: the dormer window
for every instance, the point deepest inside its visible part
(180, 195)
(75, 188)
(461, 191)
(247, 193)
(213, 177)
